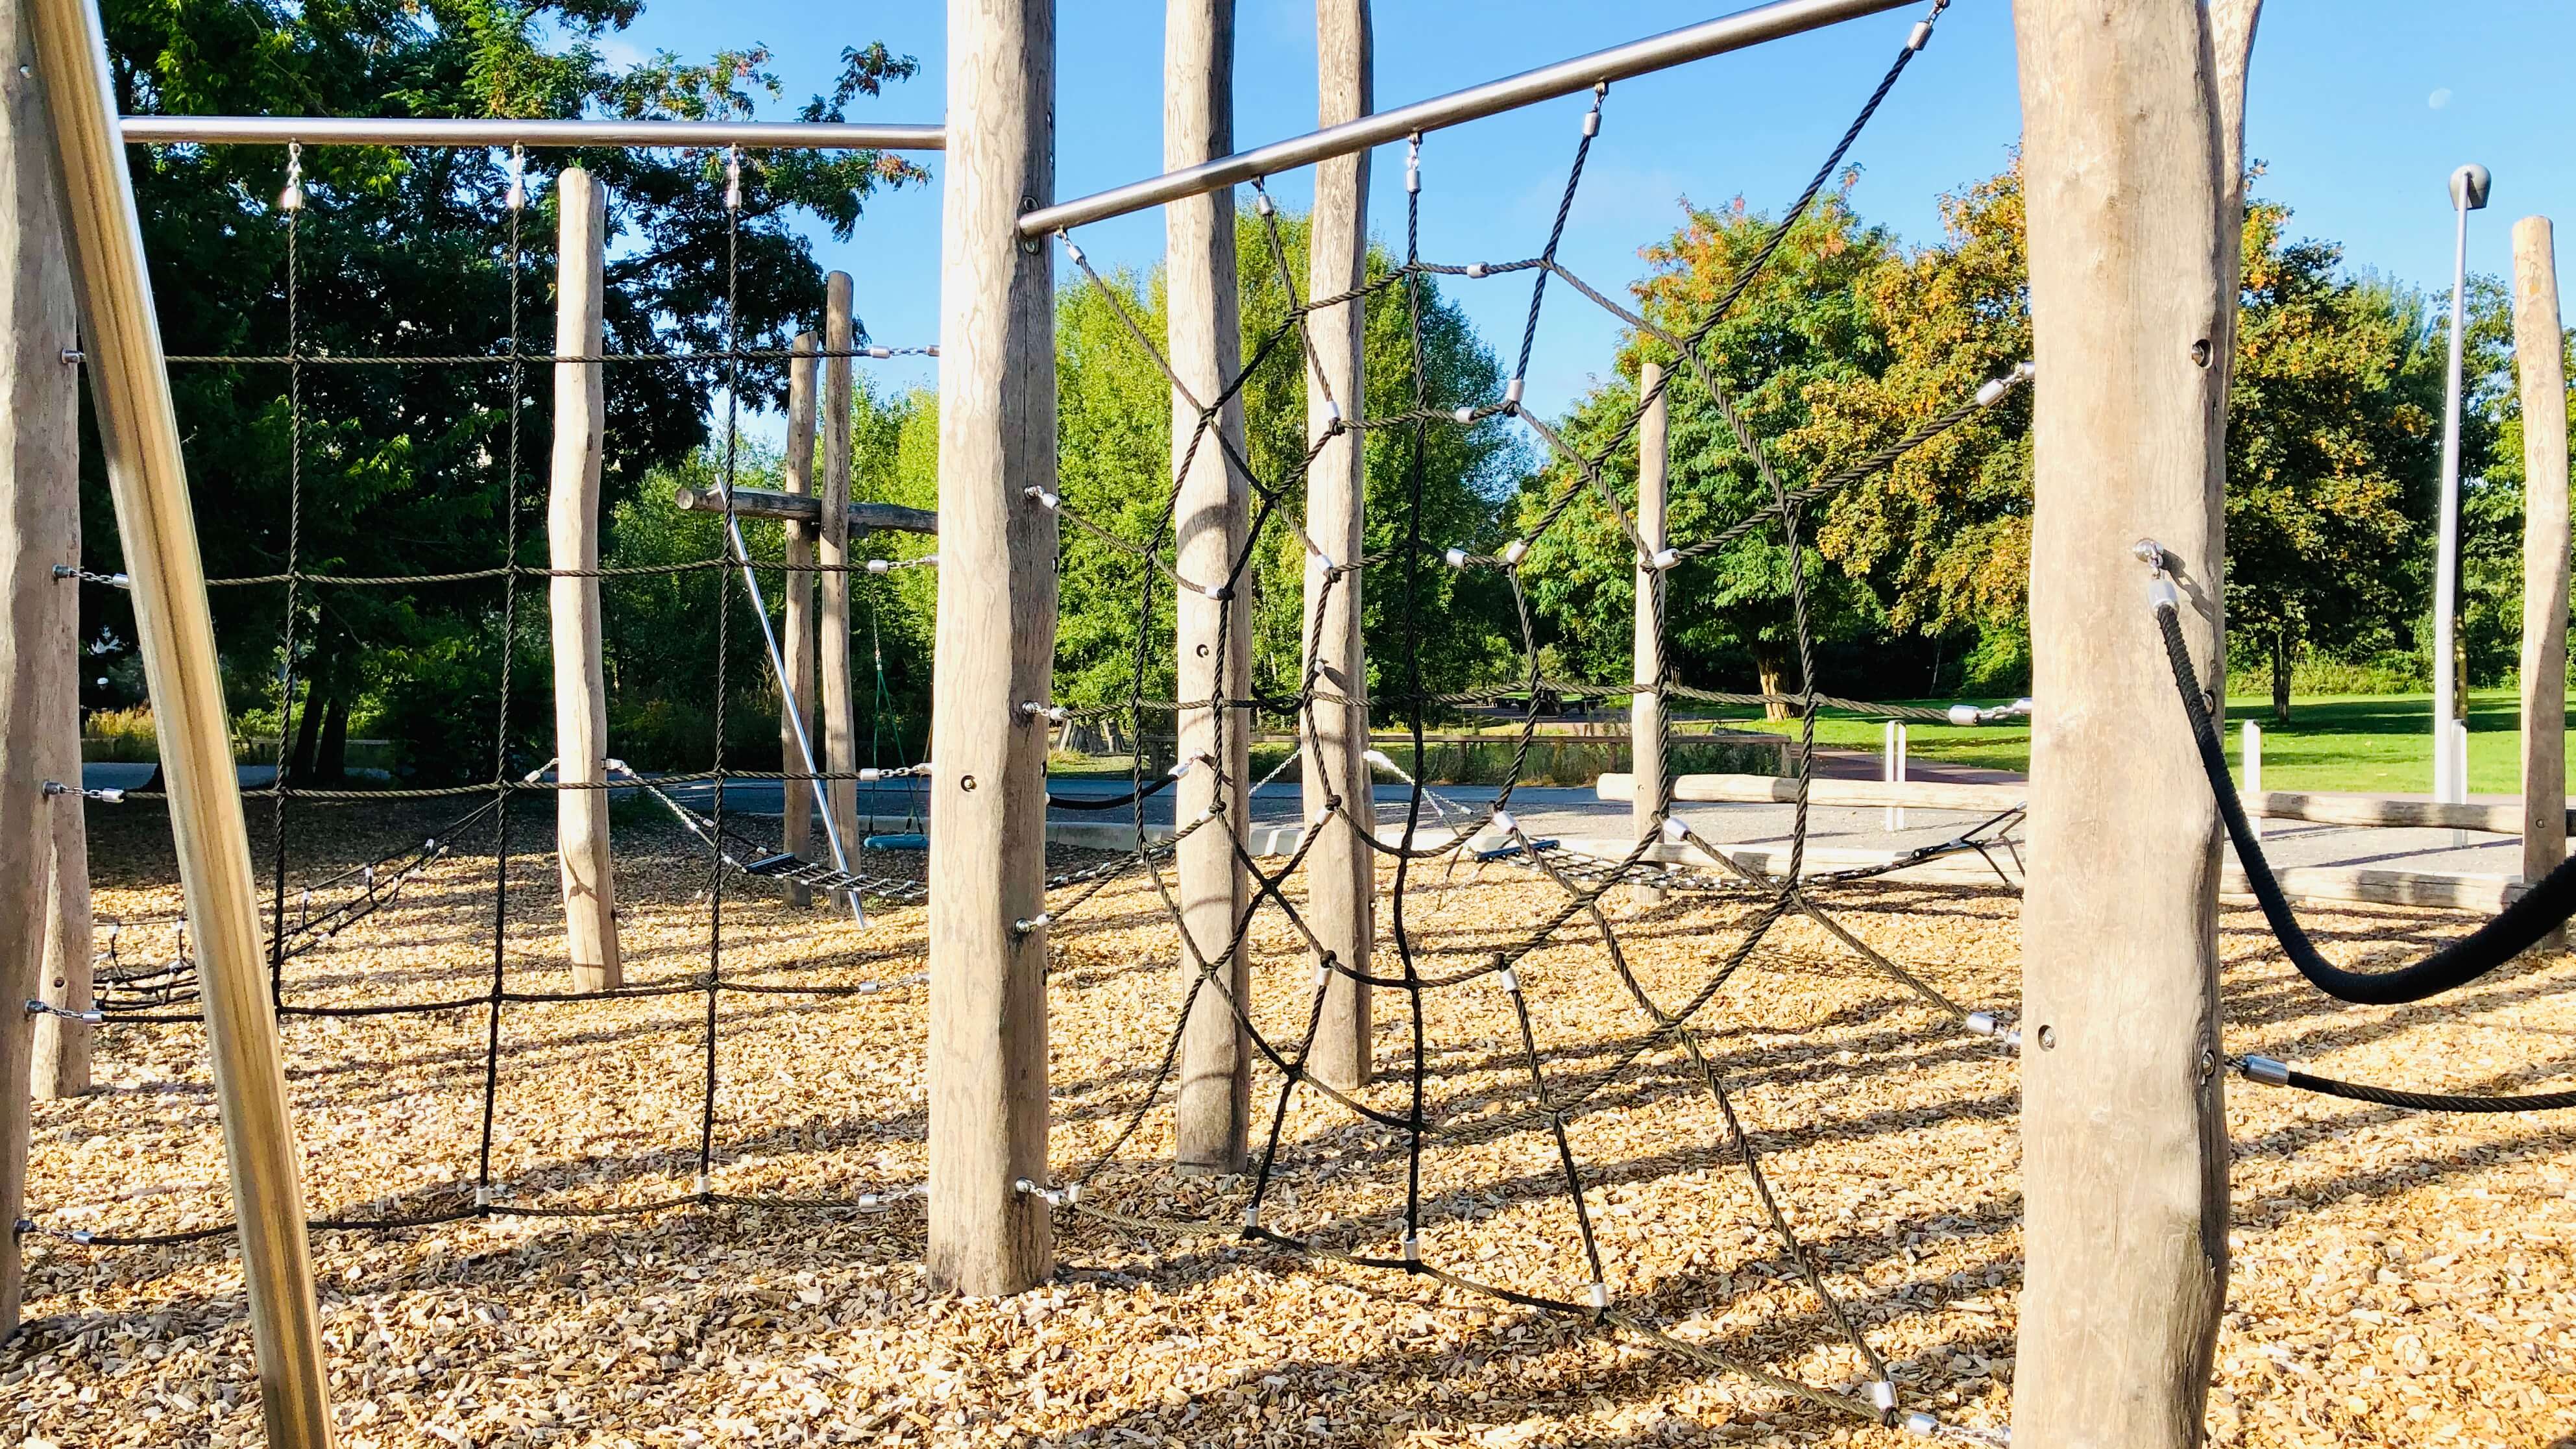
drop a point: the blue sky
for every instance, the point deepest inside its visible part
(2359, 107)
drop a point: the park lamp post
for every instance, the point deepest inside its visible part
(2469, 187)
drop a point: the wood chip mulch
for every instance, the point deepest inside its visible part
(2399, 1279)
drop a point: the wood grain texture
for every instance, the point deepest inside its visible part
(2132, 218)
(39, 521)
(1211, 517)
(582, 846)
(1646, 708)
(1341, 871)
(2541, 360)
(796, 642)
(832, 549)
(147, 478)
(995, 647)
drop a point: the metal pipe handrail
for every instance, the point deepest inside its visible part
(1739, 31)
(442, 131)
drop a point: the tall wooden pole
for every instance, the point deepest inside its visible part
(1646, 706)
(39, 519)
(572, 542)
(147, 476)
(1341, 869)
(995, 646)
(2540, 357)
(840, 705)
(1211, 516)
(796, 476)
(62, 1059)
(2130, 153)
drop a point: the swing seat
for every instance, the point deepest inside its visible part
(902, 840)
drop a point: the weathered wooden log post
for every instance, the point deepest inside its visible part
(1211, 517)
(1341, 869)
(840, 703)
(1646, 706)
(39, 522)
(2540, 357)
(995, 646)
(2132, 145)
(138, 432)
(796, 477)
(572, 542)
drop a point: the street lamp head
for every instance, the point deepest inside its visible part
(2469, 187)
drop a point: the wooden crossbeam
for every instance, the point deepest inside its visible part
(798, 508)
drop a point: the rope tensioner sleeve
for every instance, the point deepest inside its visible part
(2539, 910)
(2281, 1074)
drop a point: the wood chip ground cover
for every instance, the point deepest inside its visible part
(2398, 1279)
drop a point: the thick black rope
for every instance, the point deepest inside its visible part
(2519, 926)
(2283, 1075)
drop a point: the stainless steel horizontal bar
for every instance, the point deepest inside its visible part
(433, 131)
(1639, 57)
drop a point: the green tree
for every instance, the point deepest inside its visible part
(410, 469)
(1113, 468)
(1805, 322)
(2333, 430)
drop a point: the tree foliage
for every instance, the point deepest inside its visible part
(413, 469)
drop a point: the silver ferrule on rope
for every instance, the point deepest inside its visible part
(518, 197)
(1600, 1294)
(102, 794)
(1027, 924)
(1985, 1023)
(1413, 165)
(292, 198)
(1992, 390)
(1051, 713)
(2161, 593)
(1969, 714)
(2270, 1071)
(733, 178)
(1882, 1395)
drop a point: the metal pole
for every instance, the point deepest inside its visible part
(147, 477)
(1739, 31)
(2468, 193)
(371, 131)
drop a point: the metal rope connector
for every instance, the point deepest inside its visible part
(1882, 1395)
(483, 1194)
(2270, 1071)
(90, 1017)
(1920, 1424)
(1251, 1216)
(103, 794)
(1509, 980)
(1969, 714)
(1026, 924)
(1984, 1023)
(1051, 713)
(1412, 1248)
(1600, 1294)
(1065, 1196)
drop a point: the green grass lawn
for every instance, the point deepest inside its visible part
(2376, 743)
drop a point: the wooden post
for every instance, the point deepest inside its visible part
(995, 645)
(62, 1059)
(1211, 516)
(1341, 870)
(572, 542)
(147, 477)
(840, 706)
(2540, 357)
(796, 472)
(1646, 707)
(39, 528)
(2131, 154)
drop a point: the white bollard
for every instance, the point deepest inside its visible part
(1892, 768)
(2253, 735)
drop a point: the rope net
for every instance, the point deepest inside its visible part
(1441, 843)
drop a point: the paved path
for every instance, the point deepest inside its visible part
(1563, 811)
